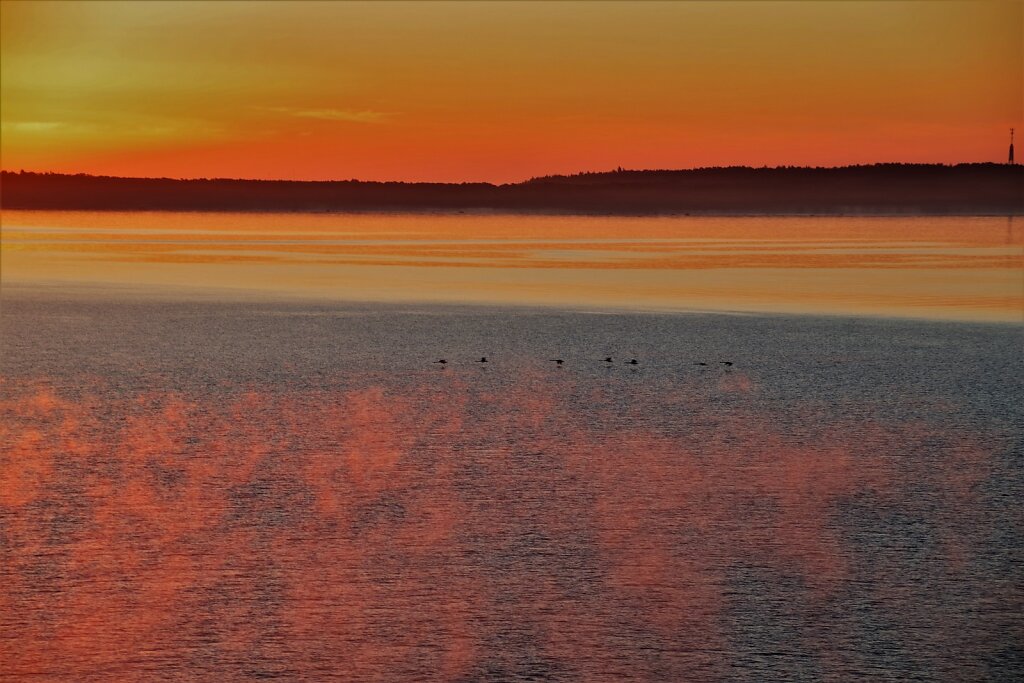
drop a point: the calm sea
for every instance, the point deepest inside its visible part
(960, 268)
(219, 461)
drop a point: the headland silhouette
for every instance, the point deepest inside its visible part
(870, 189)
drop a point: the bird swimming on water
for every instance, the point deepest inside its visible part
(608, 360)
(442, 361)
(483, 359)
(634, 362)
(556, 361)
(726, 362)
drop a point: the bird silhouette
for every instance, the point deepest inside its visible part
(726, 362)
(698, 363)
(442, 361)
(608, 359)
(482, 360)
(556, 361)
(634, 362)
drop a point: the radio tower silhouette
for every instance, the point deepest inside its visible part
(1011, 148)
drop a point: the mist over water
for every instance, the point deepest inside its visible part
(198, 490)
(952, 267)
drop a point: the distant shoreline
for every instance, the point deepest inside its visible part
(877, 190)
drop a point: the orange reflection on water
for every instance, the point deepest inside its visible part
(385, 533)
(940, 267)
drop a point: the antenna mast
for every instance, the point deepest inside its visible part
(1010, 161)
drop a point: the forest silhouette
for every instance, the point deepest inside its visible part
(879, 188)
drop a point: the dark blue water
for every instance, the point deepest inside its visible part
(199, 490)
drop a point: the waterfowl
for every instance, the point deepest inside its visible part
(482, 359)
(556, 361)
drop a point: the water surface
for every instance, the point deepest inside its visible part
(196, 489)
(959, 268)
(227, 451)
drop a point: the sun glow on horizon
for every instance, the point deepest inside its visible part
(501, 92)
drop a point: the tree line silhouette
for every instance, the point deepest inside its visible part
(877, 188)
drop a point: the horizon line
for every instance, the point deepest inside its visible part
(618, 169)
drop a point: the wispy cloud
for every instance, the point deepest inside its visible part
(33, 126)
(349, 115)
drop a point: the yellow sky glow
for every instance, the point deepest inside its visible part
(501, 91)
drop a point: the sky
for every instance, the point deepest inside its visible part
(501, 91)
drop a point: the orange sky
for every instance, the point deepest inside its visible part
(502, 91)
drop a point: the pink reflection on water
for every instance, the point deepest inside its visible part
(389, 532)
